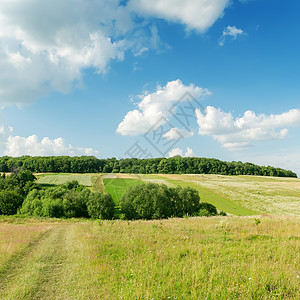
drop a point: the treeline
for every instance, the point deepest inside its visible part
(20, 194)
(173, 165)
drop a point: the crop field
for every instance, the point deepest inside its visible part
(236, 195)
(118, 186)
(54, 179)
(194, 258)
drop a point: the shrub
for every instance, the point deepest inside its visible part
(100, 206)
(153, 201)
(190, 201)
(53, 208)
(75, 203)
(146, 201)
(32, 204)
(10, 201)
(207, 209)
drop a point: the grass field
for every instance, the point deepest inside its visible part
(195, 258)
(237, 195)
(54, 179)
(118, 186)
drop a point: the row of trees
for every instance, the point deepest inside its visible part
(69, 201)
(19, 194)
(13, 190)
(153, 201)
(173, 165)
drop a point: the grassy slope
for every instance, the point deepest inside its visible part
(53, 179)
(238, 195)
(222, 203)
(118, 186)
(196, 258)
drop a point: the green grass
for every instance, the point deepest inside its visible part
(54, 179)
(118, 186)
(237, 195)
(195, 258)
(220, 202)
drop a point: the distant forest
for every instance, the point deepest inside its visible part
(173, 165)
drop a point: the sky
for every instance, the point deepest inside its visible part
(151, 78)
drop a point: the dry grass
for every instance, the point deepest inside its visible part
(270, 195)
(195, 258)
(14, 238)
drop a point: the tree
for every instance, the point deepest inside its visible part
(10, 202)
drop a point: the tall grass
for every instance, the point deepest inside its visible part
(195, 258)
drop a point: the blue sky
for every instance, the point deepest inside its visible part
(92, 78)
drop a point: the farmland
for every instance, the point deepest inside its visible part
(207, 258)
(236, 195)
(252, 255)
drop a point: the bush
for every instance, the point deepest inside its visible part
(32, 204)
(10, 201)
(69, 200)
(146, 201)
(53, 208)
(75, 203)
(100, 206)
(153, 201)
(207, 209)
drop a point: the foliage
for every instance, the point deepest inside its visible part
(10, 201)
(69, 200)
(173, 165)
(13, 189)
(100, 206)
(154, 201)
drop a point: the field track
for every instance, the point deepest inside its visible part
(196, 258)
(35, 272)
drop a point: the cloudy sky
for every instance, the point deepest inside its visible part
(151, 78)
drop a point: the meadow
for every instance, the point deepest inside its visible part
(189, 258)
(236, 195)
(253, 253)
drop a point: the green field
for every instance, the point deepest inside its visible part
(236, 195)
(118, 186)
(54, 179)
(195, 258)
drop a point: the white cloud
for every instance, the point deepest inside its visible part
(230, 31)
(176, 133)
(18, 146)
(195, 14)
(239, 133)
(154, 106)
(46, 45)
(177, 151)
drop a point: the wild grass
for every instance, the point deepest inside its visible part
(54, 179)
(237, 195)
(118, 186)
(15, 237)
(252, 194)
(194, 258)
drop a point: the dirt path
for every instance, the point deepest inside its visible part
(36, 272)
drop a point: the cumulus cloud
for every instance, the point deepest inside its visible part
(18, 146)
(154, 106)
(195, 14)
(176, 133)
(178, 151)
(230, 31)
(45, 45)
(239, 133)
